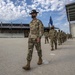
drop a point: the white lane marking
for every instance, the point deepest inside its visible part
(52, 54)
(35, 51)
(45, 62)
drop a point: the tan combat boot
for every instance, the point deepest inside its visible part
(39, 61)
(27, 67)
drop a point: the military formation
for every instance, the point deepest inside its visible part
(56, 37)
(34, 39)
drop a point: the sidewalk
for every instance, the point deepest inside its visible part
(13, 52)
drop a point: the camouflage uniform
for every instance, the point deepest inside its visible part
(63, 36)
(69, 36)
(53, 38)
(36, 31)
(59, 38)
(46, 37)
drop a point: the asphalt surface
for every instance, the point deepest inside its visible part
(13, 53)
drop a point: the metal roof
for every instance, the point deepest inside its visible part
(16, 26)
(70, 9)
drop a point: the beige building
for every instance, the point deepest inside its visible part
(72, 25)
(11, 30)
(70, 9)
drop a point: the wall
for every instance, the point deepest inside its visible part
(73, 29)
(11, 35)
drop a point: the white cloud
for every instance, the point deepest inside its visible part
(12, 11)
(50, 4)
(65, 27)
(62, 15)
(8, 11)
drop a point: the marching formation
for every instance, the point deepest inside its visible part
(55, 37)
(34, 39)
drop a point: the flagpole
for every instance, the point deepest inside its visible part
(49, 21)
(49, 25)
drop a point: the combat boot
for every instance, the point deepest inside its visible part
(52, 49)
(39, 61)
(27, 67)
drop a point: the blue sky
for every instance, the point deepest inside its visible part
(17, 11)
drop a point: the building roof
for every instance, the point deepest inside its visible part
(70, 9)
(16, 26)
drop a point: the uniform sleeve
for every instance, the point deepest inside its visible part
(41, 29)
(56, 34)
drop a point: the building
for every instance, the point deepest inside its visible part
(70, 10)
(12, 30)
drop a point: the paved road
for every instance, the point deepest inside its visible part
(13, 52)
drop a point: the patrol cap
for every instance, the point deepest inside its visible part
(33, 11)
